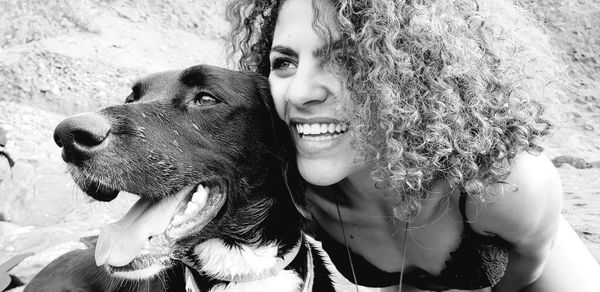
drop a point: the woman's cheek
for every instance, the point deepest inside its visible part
(278, 94)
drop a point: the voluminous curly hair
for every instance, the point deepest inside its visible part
(436, 89)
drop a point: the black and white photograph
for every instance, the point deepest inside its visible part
(299, 145)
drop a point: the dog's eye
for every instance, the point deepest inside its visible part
(131, 98)
(204, 99)
(136, 93)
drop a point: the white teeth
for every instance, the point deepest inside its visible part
(197, 202)
(318, 129)
(201, 195)
(319, 138)
(306, 128)
(191, 209)
(177, 219)
(324, 128)
(315, 129)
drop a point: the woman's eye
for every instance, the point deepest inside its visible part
(282, 64)
(205, 100)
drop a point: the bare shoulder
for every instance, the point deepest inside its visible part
(526, 207)
(525, 211)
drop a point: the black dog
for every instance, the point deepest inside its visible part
(205, 152)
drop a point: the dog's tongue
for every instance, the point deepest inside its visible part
(120, 242)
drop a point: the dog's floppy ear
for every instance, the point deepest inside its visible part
(284, 146)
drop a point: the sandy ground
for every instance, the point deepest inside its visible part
(78, 56)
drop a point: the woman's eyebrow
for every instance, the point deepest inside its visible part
(285, 51)
(332, 47)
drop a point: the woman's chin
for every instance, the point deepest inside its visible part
(325, 173)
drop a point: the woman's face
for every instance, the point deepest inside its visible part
(305, 93)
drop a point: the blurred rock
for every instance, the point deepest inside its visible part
(16, 190)
(9, 229)
(588, 127)
(32, 265)
(5, 171)
(129, 13)
(567, 160)
(2, 137)
(4, 155)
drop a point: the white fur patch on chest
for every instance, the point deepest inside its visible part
(142, 274)
(230, 263)
(251, 268)
(284, 281)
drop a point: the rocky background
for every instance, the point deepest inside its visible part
(59, 58)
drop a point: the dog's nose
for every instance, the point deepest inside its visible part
(81, 135)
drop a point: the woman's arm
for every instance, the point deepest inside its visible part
(569, 261)
(528, 216)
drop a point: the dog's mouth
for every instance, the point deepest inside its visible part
(151, 227)
(99, 191)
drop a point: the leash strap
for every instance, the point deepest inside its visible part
(310, 269)
(190, 283)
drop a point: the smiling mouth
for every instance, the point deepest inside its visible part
(320, 131)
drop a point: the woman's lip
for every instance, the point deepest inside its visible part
(315, 147)
(316, 120)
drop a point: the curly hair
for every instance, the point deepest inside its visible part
(448, 90)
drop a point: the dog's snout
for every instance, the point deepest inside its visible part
(81, 135)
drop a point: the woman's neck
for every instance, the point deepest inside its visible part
(359, 192)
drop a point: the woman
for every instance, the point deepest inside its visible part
(416, 125)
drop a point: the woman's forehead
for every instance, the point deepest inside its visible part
(296, 23)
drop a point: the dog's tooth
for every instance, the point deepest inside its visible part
(331, 128)
(200, 195)
(177, 219)
(191, 208)
(299, 128)
(338, 128)
(344, 127)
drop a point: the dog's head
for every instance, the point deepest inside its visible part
(204, 150)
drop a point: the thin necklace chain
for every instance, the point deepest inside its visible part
(403, 257)
(345, 241)
(348, 248)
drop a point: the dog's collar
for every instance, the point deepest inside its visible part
(191, 286)
(310, 270)
(190, 283)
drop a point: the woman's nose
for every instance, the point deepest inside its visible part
(308, 86)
